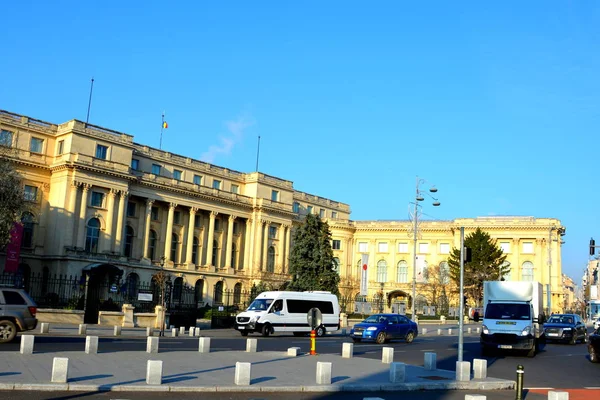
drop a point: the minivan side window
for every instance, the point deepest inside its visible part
(14, 298)
(277, 306)
(303, 306)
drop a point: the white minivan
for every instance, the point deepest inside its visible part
(287, 311)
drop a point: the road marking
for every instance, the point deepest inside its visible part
(592, 387)
(539, 388)
(428, 350)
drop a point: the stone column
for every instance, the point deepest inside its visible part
(247, 246)
(281, 249)
(118, 247)
(68, 237)
(229, 241)
(190, 238)
(110, 216)
(169, 235)
(211, 236)
(253, 240)
(82, 213)
(147, 227)
(288, 246)
(265, 248)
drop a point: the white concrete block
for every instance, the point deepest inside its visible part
(181, 330)
(397, 372)
(424, 331)
(439, 331)
(463, 371)
(197, 331)
(174, 332)
(82, 329)
(251, 345)
(149, 331)
(323, 373)
(449, 331)
(557, 395)
(293, 351)
(242, 373)
(91, 345)
(478, 330)
(430, 361)
(204, 345)
(154, 370)
(60, 370)
(27, 342)
(479, 368)
(475, 397)
(468, 330)
(192, 331)
(44, 327)
(152, 344)
(387, 355)
(117, 330)
(347, 350)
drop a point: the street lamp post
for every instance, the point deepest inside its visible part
(418, 197)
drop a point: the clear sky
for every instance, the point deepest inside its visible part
(496, 104)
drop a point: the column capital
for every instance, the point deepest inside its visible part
(232, 217)
(265, 221)
(124, 194)
(172, 205)
(193, 210)
(74, 183)
(112, 192)
(286, 226)
(249, 221)
(213, 214)
(85, 186)
(149, 203)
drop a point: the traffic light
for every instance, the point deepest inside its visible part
(592, 247)
(467, 254)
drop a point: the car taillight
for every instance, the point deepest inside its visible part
(32, 310)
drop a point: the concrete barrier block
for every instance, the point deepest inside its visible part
(117, 330)
(463, 371)
(82, 329)
(60, 370)
(197, 331)
(44, 327)
(430, 361)
(174, 332)
(424, 331)
(251, 345)
(480, 368)
(149, 331)
(387, 355)
(154, 370)
(293, 351)
(397, 372)
(347, 350)
(468, 330)
(475, 397)
(556, 395)
(242, 373)
(181, 330)
(323, 373)
(478, 330)
(204, 345)
(449, 331)
(192, 331)
(152, 344)
(27, 342)
(91, 345)
(439, 331)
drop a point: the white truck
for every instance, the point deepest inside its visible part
(513, 317)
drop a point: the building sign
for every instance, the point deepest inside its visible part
(13, 249)
(145, 296)
(364, 277)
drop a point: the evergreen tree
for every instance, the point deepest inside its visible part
(11, 195)
(311, 257)
(487, 264)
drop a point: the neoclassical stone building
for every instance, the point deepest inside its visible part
(104, 206)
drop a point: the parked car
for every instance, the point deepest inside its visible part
(568, 328)
(384, 327)
(596, 323)
(594, 346)
(17, 313)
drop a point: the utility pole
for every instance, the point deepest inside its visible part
(461, 311)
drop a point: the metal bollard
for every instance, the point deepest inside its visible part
(519, 388)
(313, 342)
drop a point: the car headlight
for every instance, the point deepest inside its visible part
(526, 331)
(484, 329)
(372, 328)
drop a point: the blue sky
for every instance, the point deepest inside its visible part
(496, 104)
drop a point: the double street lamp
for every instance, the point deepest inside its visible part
(418, 198)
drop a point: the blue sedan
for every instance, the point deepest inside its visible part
(384, 327)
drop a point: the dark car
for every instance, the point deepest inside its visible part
(384, 327)
(568, 328)
(594, 346)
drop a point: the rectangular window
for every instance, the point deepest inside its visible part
(272, 232)
(334, 214)
(423, 248)
(309, 209)
(402, 247)
(505, 246)
(30, 193)
(177, 217)
(130, 209)
(197, 221)
(154, 214)
(216, 184)
(217, 225)
(36, 145)
(156, 169)
(363, 247)
(528, 247)
(97, 199)
(197, 180)
(275, 195)
(336, 244)
(236, 228)
(6, 138)
(61, 147)
(382, 247)
(322, 213)
(444, 248)
(101, 152)
(296, 207)
(135, 164)
(235, 189)
(177, 174)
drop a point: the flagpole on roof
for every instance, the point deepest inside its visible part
(87, 119)
(162, 126)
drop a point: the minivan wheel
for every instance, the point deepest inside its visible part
(320, 331)
(8, 331)
(267, 330)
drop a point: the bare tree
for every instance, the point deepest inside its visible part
(439, 285)
(161, 278)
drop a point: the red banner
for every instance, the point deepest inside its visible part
(13, 249)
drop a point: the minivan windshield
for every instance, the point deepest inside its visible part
(260, 305)
(507, 311)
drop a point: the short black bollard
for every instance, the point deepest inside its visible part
(520, 373)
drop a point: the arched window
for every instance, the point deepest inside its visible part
(152, 244)
(381, 271)
(174, 244)
(128, 241)
(199, 291)
(271, 259)
(506, 276)
(27, 238)
(335, 264)
(233, 257)
(215, 253)
(444, 273)
(402, 275)
(218, 298)
(237, 293)
(92, 235)
(195, 251)
(177, 289)
(132, 284)
(527, 271)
